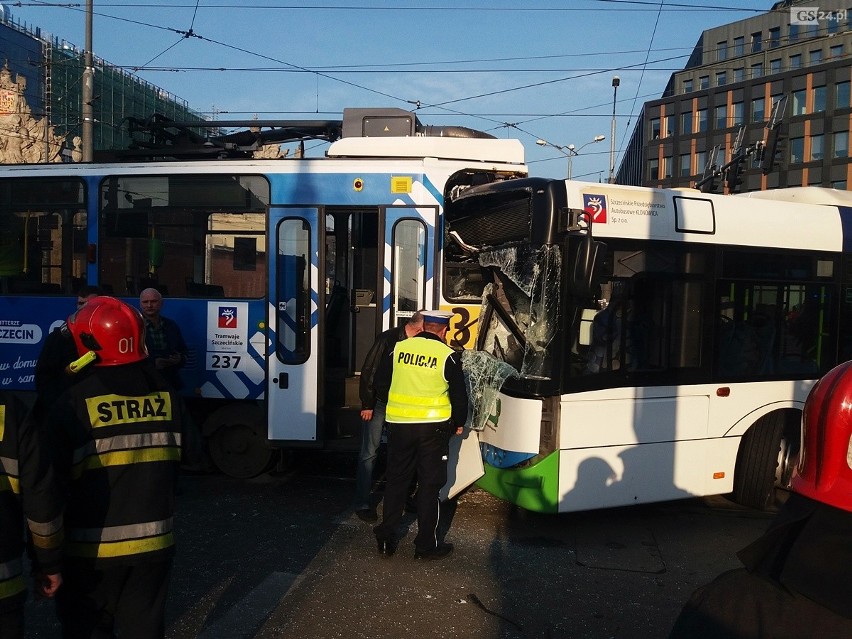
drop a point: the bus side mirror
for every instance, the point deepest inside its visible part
(584, 268)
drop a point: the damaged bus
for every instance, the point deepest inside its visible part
(661, 342)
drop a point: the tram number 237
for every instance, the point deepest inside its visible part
(224, 361)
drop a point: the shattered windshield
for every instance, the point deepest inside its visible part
(484, 375)
(520, 313)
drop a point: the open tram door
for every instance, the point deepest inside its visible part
(338, 277)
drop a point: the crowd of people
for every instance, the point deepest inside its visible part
(90, 474)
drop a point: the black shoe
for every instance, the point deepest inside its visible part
(387, 546)
(367, 514)
(438, 552)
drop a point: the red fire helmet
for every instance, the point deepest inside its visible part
(110, 328)
(824, 471)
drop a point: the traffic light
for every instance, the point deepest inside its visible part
(734, 174)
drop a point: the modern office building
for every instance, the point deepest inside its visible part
(49, 73)
(735, 76)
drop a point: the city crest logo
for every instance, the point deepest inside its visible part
(596, 206)
(227, 317)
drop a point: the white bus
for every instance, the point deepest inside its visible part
(665, 340)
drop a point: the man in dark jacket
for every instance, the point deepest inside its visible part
(27, 492)
(118, 444)
(373, 412)
(796, 581)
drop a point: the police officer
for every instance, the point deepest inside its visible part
(427, 404)
(27, 491)
(118, 435)
(797, 578)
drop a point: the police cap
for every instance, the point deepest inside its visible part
(437, 317)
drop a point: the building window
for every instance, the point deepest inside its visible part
(655, 128)
(720, 117)
(839, 185)
(794, 32)
(738, 116)
(757, 70)
(703, 82)
(667, 166)
(755, 42)
(819, 99)
(815, 56)
(653, 169)
(739, 46)
(686, 123)
(700, 162)
(841, 95)
(797, 150)
(669, 126)
(817, 147)
(721, 78)
(685, 165)
(687, 85)
(722, 50)
(702, 120)
(774, 37)
(836, 51)
(775, 65)
(833, 26)
(739, 74)
(799, 102)
(758, 110)
(796, 61)
(840, 145)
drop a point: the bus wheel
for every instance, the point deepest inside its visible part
(238, 444)
(757, 460)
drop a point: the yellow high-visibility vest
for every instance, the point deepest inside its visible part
(419, 391)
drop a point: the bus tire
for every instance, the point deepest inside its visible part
(757, 460)
(238, 444)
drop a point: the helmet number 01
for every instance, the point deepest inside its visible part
(125, 345)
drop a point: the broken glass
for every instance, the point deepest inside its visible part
(484, 375)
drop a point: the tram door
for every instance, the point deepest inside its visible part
(341, 276)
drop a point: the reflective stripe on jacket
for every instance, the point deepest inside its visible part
(419, 389)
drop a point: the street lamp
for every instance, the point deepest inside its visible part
(615, 82)
(570, 150)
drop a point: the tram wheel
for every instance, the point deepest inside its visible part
(238, 444)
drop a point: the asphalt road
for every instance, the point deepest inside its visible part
(283, 556)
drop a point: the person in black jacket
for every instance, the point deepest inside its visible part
(27, 492)
(373, 413)
(52, 376)
(796, 580)
(117, 436)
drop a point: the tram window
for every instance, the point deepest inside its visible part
(293, 291)
(42, 236)
(409, 270)
(191, 235)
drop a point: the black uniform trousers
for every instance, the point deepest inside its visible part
(12, 624)
(92, 603)
(420, 448)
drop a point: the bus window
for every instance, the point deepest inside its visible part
(193, 236)
(42, 236)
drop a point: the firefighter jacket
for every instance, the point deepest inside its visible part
(118, 458)
(426, 382)
(27, 491)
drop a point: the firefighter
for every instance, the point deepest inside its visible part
(796, 580)
(427, 404)
(118, 454)
(27, 492)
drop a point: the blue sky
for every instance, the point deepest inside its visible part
(530, 70)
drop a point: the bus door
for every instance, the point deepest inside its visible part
(293, 358)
